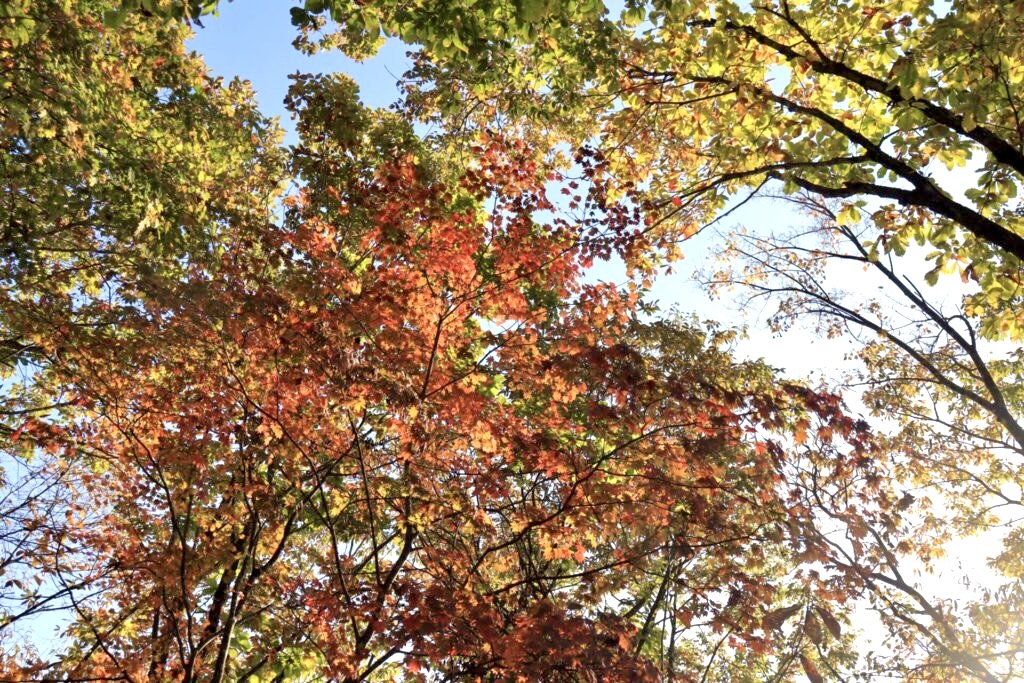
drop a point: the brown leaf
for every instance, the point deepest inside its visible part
(831, 623)
(776, 618)
(812, 628)
(813, 675)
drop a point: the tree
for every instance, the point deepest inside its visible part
(398, 435)
(843, 100)
(953, 403)
(121, 163)
(694, 104)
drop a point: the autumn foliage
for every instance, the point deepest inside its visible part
(384, 425)
(398, 432)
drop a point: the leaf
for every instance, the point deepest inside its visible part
(831, 623)
(848, 215)
(968, 123)
(812, 628)
(634, 17)
(774, 620)
(813, 675)
(534, 10)
(114, 18)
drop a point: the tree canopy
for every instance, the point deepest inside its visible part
(352, 409)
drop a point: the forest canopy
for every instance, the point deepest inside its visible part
(355, 408)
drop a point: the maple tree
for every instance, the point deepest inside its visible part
(850, 109)
(121, 161)
(392, 432)
(400, 434)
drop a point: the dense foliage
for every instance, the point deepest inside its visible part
(352, 410)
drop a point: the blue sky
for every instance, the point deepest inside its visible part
(253, 40)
